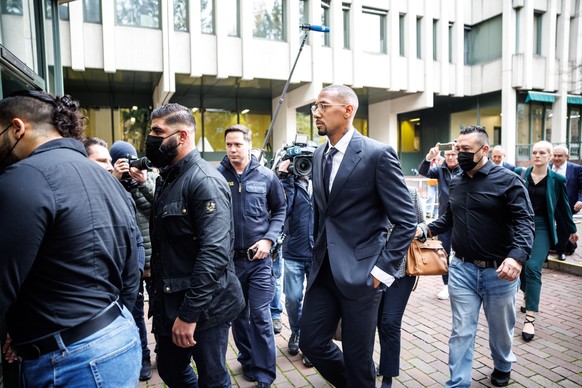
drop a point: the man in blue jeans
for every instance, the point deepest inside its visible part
(492, 224)
(297, 249)
(68, 267)
(276, 305)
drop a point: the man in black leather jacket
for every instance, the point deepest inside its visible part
(196, 293)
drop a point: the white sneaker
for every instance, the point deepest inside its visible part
(444, 294)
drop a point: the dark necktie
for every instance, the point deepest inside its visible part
(327, 170)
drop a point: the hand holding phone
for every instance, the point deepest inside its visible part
(251, 252)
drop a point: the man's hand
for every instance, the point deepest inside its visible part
(509, 269)
(433, 153)
(120, 167)
(283, 166)
(574, 237)
(183, 333)
(147, 272)
(140, 176)
(577, 206)
(376, 281)
(263, 249)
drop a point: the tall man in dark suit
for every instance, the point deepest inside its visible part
(573, 174)
(359, 194)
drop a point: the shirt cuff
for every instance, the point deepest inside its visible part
(382, 276)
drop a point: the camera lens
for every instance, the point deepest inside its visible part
(141, 164)
(303, 166)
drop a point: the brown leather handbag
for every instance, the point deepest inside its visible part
(426, 258)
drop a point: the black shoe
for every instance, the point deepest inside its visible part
(307, 363)
(500, 379)
(146, 370)
(293, 345)
(263, 385)
(247, 375)
(277, 325)
(562, 257)
(524, 334)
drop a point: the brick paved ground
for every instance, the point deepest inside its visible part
(552, 359)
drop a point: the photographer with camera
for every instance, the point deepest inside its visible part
(258, 204)
(134, 173)
(298, 246)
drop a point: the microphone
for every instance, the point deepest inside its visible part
(313, 27)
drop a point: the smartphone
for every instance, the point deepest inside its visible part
(450, 146)
(251, 252)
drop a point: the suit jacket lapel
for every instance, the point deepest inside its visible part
(349, 162)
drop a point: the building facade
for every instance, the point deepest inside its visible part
(421, 68)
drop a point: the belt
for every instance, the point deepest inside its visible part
(240, 254)
(34, 350)
(480, 263)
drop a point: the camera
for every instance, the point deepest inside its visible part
(139, 163)
(300, 152)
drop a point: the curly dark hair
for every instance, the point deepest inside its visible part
(41, 108)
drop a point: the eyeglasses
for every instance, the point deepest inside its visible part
(323, 107)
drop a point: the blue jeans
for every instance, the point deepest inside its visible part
(209, 354)
(252, 330)
(296, 273)
(276, 305)
(469, 287)
(110, 357)
(139, 318)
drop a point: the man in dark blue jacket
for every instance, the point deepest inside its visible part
(573, 174)
(259, 213)
(443, 174)
(195, 290)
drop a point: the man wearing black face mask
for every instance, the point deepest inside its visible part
(492, 221)
(196, 293)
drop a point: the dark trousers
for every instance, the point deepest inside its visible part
(323, 307)
(252, 330)
(390, 313)
(209, 354)
(138, 316)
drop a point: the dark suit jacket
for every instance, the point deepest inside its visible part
(573, 183)
(367, 197)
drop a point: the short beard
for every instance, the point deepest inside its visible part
(322, 132)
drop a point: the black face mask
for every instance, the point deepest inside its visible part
(467, 159)
(159, 154)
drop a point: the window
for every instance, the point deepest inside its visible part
(92, 11)
(269, 16)
(231, 13)
(63, 11)
(181, 15)
(537, 36)
(207, 16)
(138, 13)
(12, 7)
(346, 17)
(483, 41)
(401, 32)
(419, 38)
(435, 24)
(374, 26)
(325, 21)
